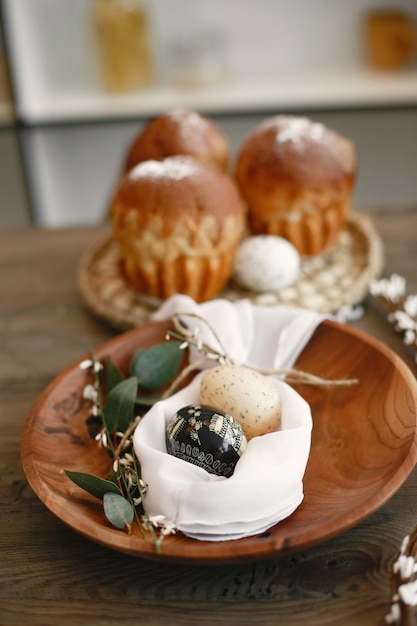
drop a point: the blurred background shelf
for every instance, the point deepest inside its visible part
(268, 56)
(321, 90)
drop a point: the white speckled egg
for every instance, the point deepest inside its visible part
(266, 263)
(252, 399)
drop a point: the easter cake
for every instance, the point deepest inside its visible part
(297, 178)
(180, 132)
(177, 223)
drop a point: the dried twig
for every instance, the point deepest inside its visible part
(403, 610)
(400, 307)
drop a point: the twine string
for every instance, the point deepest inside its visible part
(291, 375)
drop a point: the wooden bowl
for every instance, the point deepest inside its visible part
(363, 448)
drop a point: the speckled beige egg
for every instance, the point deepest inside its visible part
(252, 399)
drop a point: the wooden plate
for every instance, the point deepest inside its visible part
(364, 445)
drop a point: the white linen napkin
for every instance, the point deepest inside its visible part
(266, 486)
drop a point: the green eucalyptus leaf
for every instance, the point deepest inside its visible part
(119, 409)
(93, 484)
(112, 375)
(144, 402)
(156, 366)
(118, 510)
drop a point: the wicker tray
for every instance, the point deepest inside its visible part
(326, 282)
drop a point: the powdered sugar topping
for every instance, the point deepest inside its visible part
(190, 126)
(170, 168)
(188, 119)
(298, 129)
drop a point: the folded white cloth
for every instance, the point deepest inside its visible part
(266, 486)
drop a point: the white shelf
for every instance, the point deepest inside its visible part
(312, 59)
(350, 88)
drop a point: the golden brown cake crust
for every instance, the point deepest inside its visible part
(297, 177)
(177, 222)
(180, 132)
(176, 190)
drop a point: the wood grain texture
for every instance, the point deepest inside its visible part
(51, 574)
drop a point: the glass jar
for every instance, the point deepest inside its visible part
(123, 42)
(391, 39)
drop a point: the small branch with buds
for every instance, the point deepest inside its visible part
(400, 308)
(403, 611)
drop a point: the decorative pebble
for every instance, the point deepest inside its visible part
(315, 301)
(266, 262)
(345, 282)
(288, 293)
(333, 293)
(338, 271)
(325, 279)
(266, 298)
(252, 398)
(206, 437)
(306, 288)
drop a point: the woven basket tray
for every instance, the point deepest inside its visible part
(326, 282)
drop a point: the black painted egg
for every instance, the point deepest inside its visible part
(206, 437)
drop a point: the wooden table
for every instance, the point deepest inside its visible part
(50, 575)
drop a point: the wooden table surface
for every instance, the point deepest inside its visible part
(50, 575)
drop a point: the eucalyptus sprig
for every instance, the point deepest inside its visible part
(117, 406)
